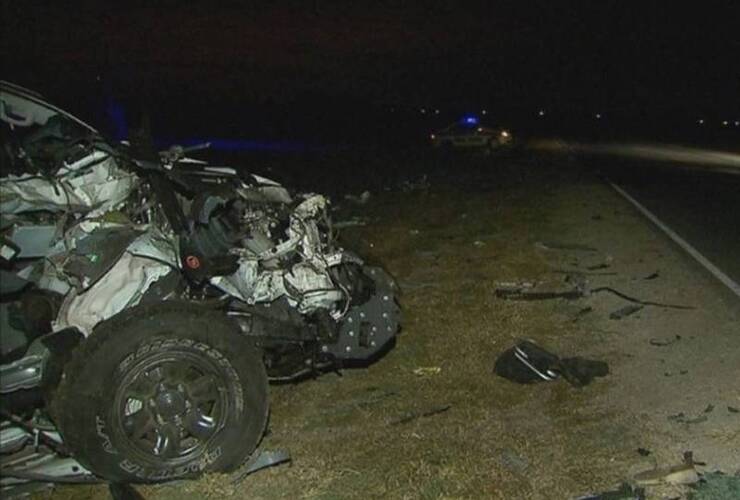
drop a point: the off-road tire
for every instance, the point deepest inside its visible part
(86, 404)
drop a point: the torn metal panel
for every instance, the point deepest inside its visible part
(95, 254)
(271, 190)
(121, 288)
(251, 285)
(157, 245)
(94, 184)
(311, 290)
(34, 241)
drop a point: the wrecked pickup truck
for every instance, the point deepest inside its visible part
(147, 299)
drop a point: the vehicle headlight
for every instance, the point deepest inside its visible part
(504, 133)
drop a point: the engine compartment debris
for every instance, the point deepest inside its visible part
(183, 285)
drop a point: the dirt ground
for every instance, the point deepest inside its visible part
(430, 419)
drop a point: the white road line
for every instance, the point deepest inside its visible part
(717, 272)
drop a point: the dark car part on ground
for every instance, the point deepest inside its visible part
(518, 291)
(526, 363)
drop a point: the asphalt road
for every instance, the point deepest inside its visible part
(703, 208)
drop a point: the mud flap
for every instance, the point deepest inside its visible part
(367, 328)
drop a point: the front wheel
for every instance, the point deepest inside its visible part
(160, 392)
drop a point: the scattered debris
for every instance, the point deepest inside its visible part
(663, 343)
(585, 273)
(512, 461)
(516, 285)
(411, 416)
(354, 221)
(683, 473)
(682, 419)
(527, 362)
(262, 460)
(625, 311)
(638, 301)
(625, 492)
(360, 200)
(584, 311)
(518, 292)
(578, 280)
(524, 294)
(553, 245)
(424, 371)
(420, 184)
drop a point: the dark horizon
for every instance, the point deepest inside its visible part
(290, 68)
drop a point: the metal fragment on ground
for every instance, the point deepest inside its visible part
(625, 311)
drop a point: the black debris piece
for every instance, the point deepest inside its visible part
(732, 409)
(526, 363)
(681, 418)
(709, 408)
(652, 276)
(596, 267)
(625, 311)
(688, 458)
(411, 416)
(638, 301)
(694, 461)
(585, 273)
(512, 294)
(643, 452)
(584, 311)
(663, 343)
(580, 371)
(553, 245)
(525, 293)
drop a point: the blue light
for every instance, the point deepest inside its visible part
(469, 120)
(117, 116)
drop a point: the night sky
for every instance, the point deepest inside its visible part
(620, 57)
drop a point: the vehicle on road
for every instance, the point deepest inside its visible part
(146, 299)
(469, 134)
